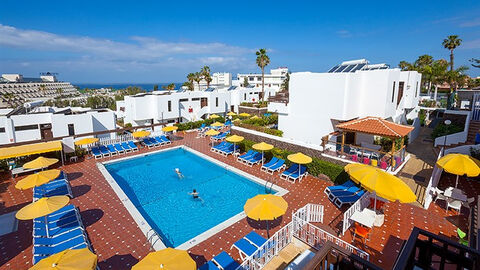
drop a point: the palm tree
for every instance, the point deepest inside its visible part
(262, 61)
(206, 75)
(451, 43)
(438, 74)
(405, 66)
(198, 78)
(191, 77)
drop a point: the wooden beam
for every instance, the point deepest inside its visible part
(343, 141)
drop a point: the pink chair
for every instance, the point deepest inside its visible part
(383, 165)
(355, 158)
(366, 160)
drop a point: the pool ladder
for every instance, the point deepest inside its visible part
(271, 182)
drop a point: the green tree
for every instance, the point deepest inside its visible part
(189, 85)
(191, 78)
(245, 82)
(206, 75)
(438, 74)
(198, 78)
(262, 61)
(451, 43)
(170, 86)
(155, 87)
(405, 66)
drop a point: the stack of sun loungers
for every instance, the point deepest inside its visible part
(65, 231)
(225, 148)
(220, 136)
(275, 164)
(156, 141)
(346, 193)
(56, 187)
(294, 173)
(113, 149)
(249, 244)
(250, 158)
(221, 261)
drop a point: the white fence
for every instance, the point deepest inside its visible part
(118, 139)
(359, 205)
(455, 138)
(310, 213)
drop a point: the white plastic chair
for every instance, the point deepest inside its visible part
(454, 204)
(439, 194)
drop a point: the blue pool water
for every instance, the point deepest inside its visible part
(162, 198)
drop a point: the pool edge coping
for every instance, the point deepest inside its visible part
(153, 238)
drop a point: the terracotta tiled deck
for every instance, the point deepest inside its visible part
(119, 243)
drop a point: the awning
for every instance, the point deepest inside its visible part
(30, 149)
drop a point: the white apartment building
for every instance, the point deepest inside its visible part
(219, 79)
(274, 79)
(353, 89)
(16, 89)
(16, 125)
(183, 106)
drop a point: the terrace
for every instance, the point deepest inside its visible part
(119, 242)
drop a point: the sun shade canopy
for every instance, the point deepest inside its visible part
(460, 164)
(169, 258)
(376, 126)
(263, 146)
(265, 207)
(79, 259)
(234, 139)
(30, 149)
(40, 162)
(169, 128)
(86, 141)
(299, 158)
(42, 207)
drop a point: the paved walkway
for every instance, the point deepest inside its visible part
(416, 173)
(119, 243)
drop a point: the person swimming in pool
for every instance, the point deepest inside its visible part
(194, 194)
(179, 174)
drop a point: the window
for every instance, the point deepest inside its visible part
(28, 127)
(251, 78)
(169, 105)
(416, 90)
(400, 91)
(183, 100)
(195, 99)
(2, 130)
(245, 96)
(393, 91)
(71, 130)
(216, 102)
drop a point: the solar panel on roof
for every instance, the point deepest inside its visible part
(358, 67)
(232, 88)
(332, 69)
(350, 67)
(210, 89)
(340, 69)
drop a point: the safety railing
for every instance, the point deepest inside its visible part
(359, 205)
(117, 139)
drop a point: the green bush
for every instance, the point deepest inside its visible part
(441, 130)
(270, 131)
(335, 172)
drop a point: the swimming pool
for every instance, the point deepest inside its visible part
(152, 185)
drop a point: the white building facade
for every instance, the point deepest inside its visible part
(274, 79)
(319, 101)
(48, 122)
(219, 79)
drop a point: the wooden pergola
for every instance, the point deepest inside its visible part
(375, 126)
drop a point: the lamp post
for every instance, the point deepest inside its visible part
(447, 123)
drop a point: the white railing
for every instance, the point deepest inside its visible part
(269, 250)
(359, 205)
(433, 182)
(118, 139)
(310, 213)
(316, 237)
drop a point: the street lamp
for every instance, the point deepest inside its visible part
(447, 123)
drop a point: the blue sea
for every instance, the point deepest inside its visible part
(153, 186)
(118, 86)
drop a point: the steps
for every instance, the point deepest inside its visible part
(473, 129)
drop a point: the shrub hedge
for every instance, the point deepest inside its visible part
(335, 172)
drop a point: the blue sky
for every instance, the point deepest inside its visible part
(161, 41)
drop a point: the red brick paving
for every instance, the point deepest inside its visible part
(119, 243)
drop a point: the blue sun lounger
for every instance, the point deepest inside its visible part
(246, 155)
(276, 167)
(56, 228)
(112, 150)
(165, 139)
(74, 243)
(104, 151)
(340, 201)
(125, 147)
(119, 148)
(229, 150)
(148, 143)
(289, 171)
(299, 174)
(255, 238)
(341, 187)
(256, 158)
(224, 147)
(133, 146)
(245, 248)
(57, 239)
(269, 164)
(159, 140)
(54, 189)
(343, 193)
(96, 153)
(221, 261)
(218, 146)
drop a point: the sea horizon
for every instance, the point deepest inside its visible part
(118, 86)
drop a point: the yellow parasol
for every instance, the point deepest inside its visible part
(234, 139)
(40, 162)
(254, 117)
(217, 124)
(244, 114)
(231, 114)
(265, 207)
(140, 133)
(69, 259)
(42, 208)
(262, 147)
(168, 259)
(460, 164)
(382, 183)
(212, 132)
(169, 128)
(214, 116)
(86, 141)
(299, 158)
(37, 179)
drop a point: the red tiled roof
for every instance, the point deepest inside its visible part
(376, 126)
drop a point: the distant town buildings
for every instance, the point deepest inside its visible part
(16, 89)
(274, 79)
